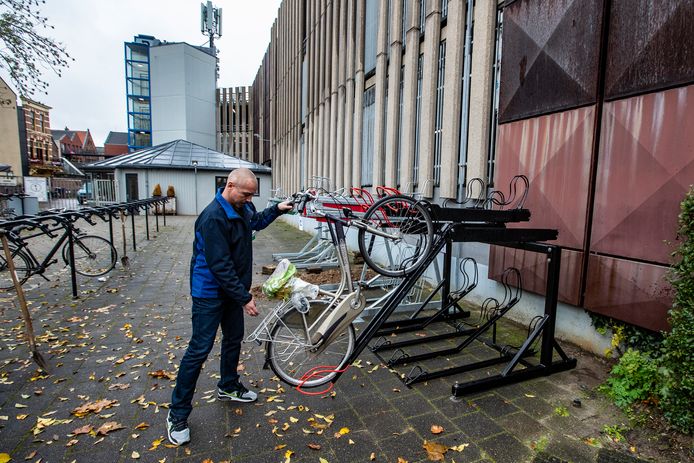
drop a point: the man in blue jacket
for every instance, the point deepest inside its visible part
(220, 279)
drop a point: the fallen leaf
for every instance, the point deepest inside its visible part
(83, 430)
(436, 429)
(435, 450)
(344, 431)
(142, 426)
(322, 460)
(280, 446)
(372, 457)
(288, 456)
(313, 446)
(134, 455)
(4, 458)
(71, 442)
(108, 427)
(402, 460)
(156, 443)
(93, 407)
(459, 448)
(30, 456)
(171, 376)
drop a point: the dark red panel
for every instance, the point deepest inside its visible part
(533, 268)
(550, 56)
(645, 167)
(554, 153)
(650, 46)
(630, 291)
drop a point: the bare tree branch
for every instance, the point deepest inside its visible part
(25, 48)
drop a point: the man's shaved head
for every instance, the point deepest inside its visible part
(241, 176)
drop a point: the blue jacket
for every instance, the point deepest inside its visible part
(222, 262)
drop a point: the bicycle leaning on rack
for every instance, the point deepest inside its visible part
(93, 255)
(309, 341)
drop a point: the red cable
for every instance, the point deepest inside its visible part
(319, 371)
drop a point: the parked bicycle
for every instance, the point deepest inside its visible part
(309, 341)
(93, 255)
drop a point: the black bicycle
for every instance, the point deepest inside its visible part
(93, 255)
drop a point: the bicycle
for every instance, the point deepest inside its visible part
(309, 341)
(93, 255)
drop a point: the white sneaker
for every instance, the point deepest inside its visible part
(238, 394)
(177, 431)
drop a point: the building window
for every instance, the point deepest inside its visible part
(30, 117)
(465, 98)
(422, 15)
(418, 122)
(444, 9)
(367, 153)
(402, 107)
(404, 23)
(370, 35)
(41, 128)
(438, 125)
(496, 76)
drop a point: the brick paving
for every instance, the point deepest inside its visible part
(126, 332)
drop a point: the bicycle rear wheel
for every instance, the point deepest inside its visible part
(22, 266)
(291, 356)
(409, 230)
(94, 255)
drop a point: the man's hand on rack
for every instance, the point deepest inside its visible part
(285, 206)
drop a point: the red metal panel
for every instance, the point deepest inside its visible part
(630, 291)
(554, 152)
(533, 268)
(550, 56)
(646, 165)
(650, 46)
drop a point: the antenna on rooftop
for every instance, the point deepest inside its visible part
(210, 21)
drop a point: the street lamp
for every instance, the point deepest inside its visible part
(194, 162)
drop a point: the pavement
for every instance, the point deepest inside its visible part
(114, 350)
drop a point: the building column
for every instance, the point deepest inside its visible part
(409, 96)
(332, 150)
(432, 38)
(395, 68)
(342, 57)
(380, 96)
(481, 87)
(358, 94)
(349, 97)
(455, 45)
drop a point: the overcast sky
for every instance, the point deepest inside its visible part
(91, 93)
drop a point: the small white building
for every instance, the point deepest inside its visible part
(194, 171)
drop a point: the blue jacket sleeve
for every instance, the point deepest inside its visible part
(260, 220)
(218, 257)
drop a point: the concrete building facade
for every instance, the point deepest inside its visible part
(10, 153)
(170, 92)
(427, 95)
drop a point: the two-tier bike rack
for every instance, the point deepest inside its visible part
(473, 224)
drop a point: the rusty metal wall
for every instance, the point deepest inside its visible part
(533, 269)
(645, 167)
(554, 152)
(634, 292)
(550, 56)
(650, 46)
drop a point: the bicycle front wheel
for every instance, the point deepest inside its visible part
(22, 266)
(94, 255)
(293, 359)
(398, 235)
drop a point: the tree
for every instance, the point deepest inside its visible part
(25, 49)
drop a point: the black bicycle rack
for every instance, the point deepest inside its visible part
(483, 219)
(67, 218)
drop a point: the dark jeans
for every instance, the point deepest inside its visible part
(207, 316)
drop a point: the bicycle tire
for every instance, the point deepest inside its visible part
(94, 255)
(291, 359)
(405, 218)
(22, 265)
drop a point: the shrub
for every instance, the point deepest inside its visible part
(170, 192)
(677, 390)
(157, 190)
(634, 378)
